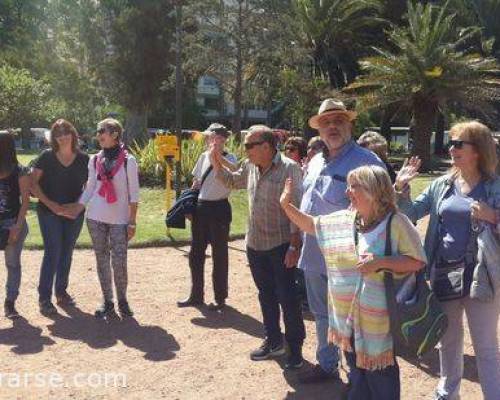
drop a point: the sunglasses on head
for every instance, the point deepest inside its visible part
(458, 144)
(251, 145)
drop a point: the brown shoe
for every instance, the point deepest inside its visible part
(317, 375)
(64, 299)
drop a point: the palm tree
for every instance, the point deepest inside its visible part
(335, 31)
(426, 72)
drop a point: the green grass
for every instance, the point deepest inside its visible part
(151, 229)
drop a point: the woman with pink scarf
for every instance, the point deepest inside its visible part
(111, 197)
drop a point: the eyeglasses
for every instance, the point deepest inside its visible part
(291, 148)
(251, 145)
(458, 144)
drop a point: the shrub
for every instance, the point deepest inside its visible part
(152, 171)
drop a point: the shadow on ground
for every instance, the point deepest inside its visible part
(155, 342)
(230, 318)
(430, 365)
(24, 337)
(331, 390)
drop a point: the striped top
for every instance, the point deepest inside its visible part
(357, 304)
(268, 225)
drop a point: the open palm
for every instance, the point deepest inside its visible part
(408, 171)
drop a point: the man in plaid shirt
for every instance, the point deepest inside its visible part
(272, 241)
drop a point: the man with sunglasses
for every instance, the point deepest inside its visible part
(324, 193)
(272, 241)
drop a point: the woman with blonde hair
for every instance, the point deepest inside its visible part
(353, 244)
(111, 196)
(466, 198)
(59, 175)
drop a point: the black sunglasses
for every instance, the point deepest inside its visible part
(458, 144)
(291, 148)
(251, 145)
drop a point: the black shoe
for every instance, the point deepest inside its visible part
(47, 308)
(124, 309)
(294, 360)
(317, 375)
(64, 299)
(107, 309)
(216, 306)
(190, 302)
(267, 350)
(10, 309)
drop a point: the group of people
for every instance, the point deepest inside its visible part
(322, 207)
(329, 216)
(66, 181)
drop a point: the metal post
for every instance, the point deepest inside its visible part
(178, 91)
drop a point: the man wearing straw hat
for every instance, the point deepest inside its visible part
(324, 190)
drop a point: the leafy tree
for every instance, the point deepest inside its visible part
(428, 72)
(23, 100)
(337, 31)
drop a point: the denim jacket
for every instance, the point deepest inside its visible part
(429, 202)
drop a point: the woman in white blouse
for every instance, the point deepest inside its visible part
(111, 196)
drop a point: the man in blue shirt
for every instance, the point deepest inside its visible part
(324, 192)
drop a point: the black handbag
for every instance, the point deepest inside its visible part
(184, 205)
(451, 280)
(418, 323)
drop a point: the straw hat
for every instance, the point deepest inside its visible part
(331, 107)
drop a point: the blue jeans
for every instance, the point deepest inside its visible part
(276, 286)
(59, 238)
(380, 384)
(12, 255)
(317, 297)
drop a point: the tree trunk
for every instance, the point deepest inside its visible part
(136, 124)
(424, 116)
(439, 139)
(385, 125)
(239, 72)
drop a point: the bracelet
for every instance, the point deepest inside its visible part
(293, 248)
(131, 225)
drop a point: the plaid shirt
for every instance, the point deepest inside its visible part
(268, 225)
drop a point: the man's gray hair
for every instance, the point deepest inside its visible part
(266, 134)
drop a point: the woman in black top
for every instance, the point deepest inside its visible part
(59, 175)
(14, 203)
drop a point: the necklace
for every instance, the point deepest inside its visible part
(362, 227)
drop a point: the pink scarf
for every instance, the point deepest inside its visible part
(107, 189)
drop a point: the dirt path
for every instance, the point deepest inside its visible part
(164, 352)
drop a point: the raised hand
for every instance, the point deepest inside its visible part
(408, 171)
(286, 195)
(215, 157)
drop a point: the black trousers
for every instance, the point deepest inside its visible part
(276, 285)
(210, 225)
